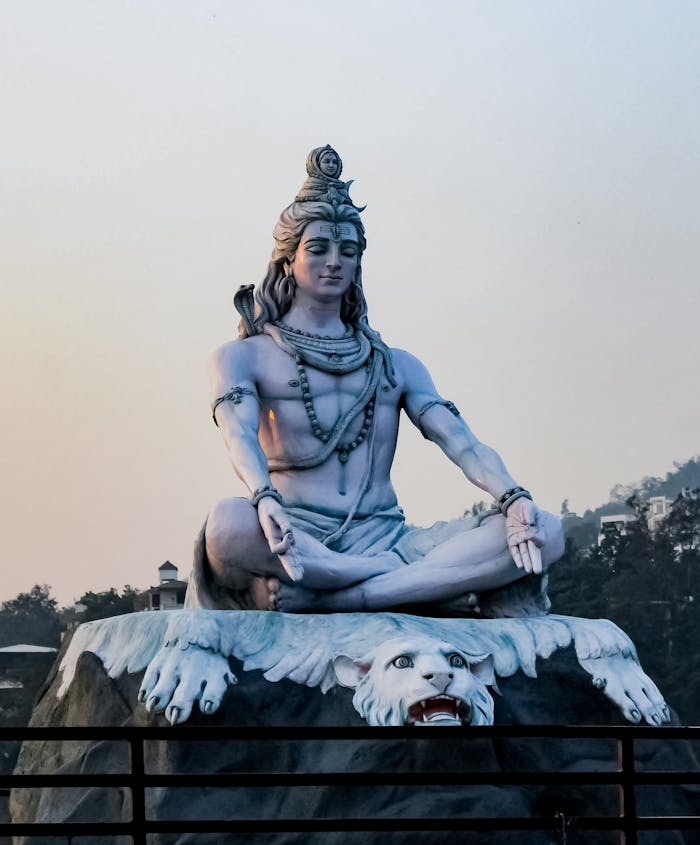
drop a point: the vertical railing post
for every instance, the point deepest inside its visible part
(628, 798)
(138, 790)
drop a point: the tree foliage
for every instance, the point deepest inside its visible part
(648, 583)
(110, 603)
(31, 618)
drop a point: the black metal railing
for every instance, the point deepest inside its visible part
(622, 773)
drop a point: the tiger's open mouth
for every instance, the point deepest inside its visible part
(439, 709)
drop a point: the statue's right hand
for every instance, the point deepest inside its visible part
(279, 535)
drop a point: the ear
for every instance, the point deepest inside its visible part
(482, 668)
(349, 672)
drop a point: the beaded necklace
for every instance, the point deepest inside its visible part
(343, 449)
(336, 356)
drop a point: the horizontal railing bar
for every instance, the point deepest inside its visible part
(216, 733)
(667, 822)
(292, 779)
(675, 777)
(212, 733)
(62, 829)
(358, 779)
(250, 826)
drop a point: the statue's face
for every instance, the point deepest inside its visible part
(326, 259)
(328, 164)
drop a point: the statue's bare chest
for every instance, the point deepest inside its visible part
(287, 390)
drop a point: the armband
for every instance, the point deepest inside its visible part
(510, 496)
(451, 407)
(262, 492)
(235, 395)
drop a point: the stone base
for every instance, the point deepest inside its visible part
(561, 694)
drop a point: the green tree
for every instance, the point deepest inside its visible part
(31, 618)
(109, 603)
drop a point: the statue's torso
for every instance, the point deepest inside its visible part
(286, 432)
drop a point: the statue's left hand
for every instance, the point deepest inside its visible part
(525, 535)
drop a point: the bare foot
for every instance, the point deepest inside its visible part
(264, 593)
(328, 570)
(295, 599)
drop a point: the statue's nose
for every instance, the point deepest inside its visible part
(334, 257)
(440, 680)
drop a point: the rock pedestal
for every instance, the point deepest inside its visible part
(560, 694)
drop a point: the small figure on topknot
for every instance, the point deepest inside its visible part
(324, 166)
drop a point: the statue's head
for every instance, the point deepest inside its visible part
(323, 197)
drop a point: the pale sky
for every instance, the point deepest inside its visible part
(531, 177)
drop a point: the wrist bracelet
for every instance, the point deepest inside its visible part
(262, 492)
(511, 496)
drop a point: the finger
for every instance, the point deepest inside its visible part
(292, 565)
(535, 557)
(286, 530)
(279, 547)
(516, 556)
(515, 538)
(525, 555)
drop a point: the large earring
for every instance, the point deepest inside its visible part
(289, 284)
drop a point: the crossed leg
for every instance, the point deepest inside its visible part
(241, 561)
(476, 560)
(473, 561)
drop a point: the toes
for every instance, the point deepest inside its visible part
(273, 586)
(161, 694)
(178, 711)
(149, 682)
(214, 691)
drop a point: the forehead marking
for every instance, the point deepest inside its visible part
(337, 232)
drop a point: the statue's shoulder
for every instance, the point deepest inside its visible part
(407, 367)
(234, 355)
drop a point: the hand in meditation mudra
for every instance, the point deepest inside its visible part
(308, 402)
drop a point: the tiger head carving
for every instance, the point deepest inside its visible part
(419, 681)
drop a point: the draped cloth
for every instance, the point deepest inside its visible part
(383, 531)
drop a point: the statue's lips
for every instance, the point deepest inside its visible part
(439, 708)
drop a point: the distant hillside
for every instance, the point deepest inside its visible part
(583, 530)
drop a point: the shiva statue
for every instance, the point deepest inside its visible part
(308, 400)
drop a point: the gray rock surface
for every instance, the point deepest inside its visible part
(561, 694)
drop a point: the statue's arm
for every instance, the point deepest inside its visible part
(441, 422)
(236, 409)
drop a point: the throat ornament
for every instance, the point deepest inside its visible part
(335, 355)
